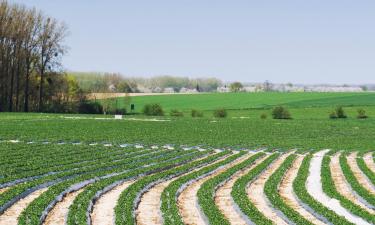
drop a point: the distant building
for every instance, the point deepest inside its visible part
(224, 89)
(168, 90)
(188, 90)
(332, 89)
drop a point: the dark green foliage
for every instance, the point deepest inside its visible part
(280, 112)
(153, 110)
(263, 116)
(220, 113)
(362, 114)
(87, 107)
(196, 113)
(340, 113)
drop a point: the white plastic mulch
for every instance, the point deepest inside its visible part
(315, 189)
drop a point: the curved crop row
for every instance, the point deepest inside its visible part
(207, 191)
(330, 189)
(272, 193)
(35, 212)
(82, 205)
(169, 206)
(240, 197)
(352, 180)
(19, 191)
(367, 171)
(127, 201)
(299, 187)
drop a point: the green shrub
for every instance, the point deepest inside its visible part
(153, 110)
(340, 112)
(220, 113)
(88, 107)
(280, 112)
(263, 116)
(175, 112)
(362, 114)
(196, 113)
(333, 115)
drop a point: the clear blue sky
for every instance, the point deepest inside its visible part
(320, 41)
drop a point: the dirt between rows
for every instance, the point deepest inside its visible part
(224, 200)
(342, 186)
(188, 200)
(10, 216)
(288, 196)
(257, 196)
(362, 179)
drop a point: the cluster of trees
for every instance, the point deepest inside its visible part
(115, 82)
(31, 48)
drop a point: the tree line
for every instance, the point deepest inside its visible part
(31, 49)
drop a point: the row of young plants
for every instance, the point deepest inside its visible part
(129, 199)
(364, 168)
(352, 180)
(13, 194)
(271, 189)
(37, 210)
(82, 206)
(169, 207)
(330, 189)
(42, 153)
(206, 193)
(94, 159)
(239, 192)
(310, 204)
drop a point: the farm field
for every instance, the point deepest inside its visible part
(93, 169)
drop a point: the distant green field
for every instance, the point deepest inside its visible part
(309, 128)
(210, 101)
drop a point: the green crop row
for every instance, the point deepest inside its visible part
(364, 168)
(272, 192)
(239, 193)
(33, 213)
(207, 191)
(352, 180)
(94, 160)
(80, 207)
(169, 206)
(330, 189)
(299, 187)
(127, 202)
(17, 190)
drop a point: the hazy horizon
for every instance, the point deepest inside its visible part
(316, 42)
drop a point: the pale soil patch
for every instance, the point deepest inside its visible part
(59, 214)
(2, 190)
(341, 184)
(256, 194)
(369, 160)
(362, 179)
(315, 189)
(104, 208)
(288, 195)
(10, 216)
(188, 200)
(148, 211)
(224, 201)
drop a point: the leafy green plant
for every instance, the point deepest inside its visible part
(220, 113)
(153, 110)
(280, 112)
(362, 114)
